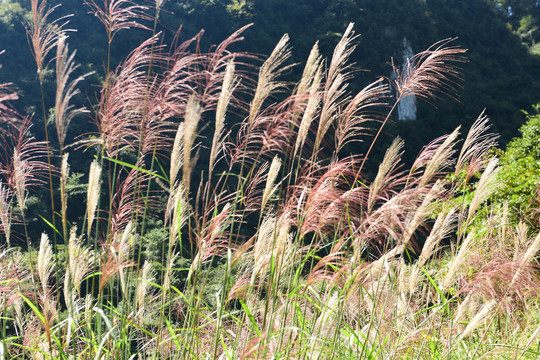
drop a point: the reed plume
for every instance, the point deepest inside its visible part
(42, 34)
(486, 186)
(485, 311)
(177, 154)
(118, 15)
(80, 263)
(436, 156)
(443, 226)
(92, 199)
(427, 75)
(20, 161)
(268, 73)
(313, 103)
(389, 164)
(45, 263)
(176, 214)
(65, 91)
(360, 113)
(337, 76)
(431, 72)
(143, 286)
(191, 120)
(64, 175)
(475, 147)
(6, 200)
(225, 96)
(271, 247)
(130, 199)
(269, 188)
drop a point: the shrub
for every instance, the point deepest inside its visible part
(520, 174)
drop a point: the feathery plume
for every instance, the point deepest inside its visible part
(272, 242)
(334, 92)
(176, 214)
(476, 146)
(443, 226)
(64, 175)
(268, 73)
(42, 34)
(21, 172)
(81, 260)
(65, 91)
(215, 238)
(422, 212)
(430, 72)
(313, 66)
(6, 94)
(464, 308)
(45, 263)
(478, 319)
(440, 158)
(118, 15)
(128, 200)
(92, 197)
(269, 188)
(131, 104)
(503, 231)
(122, 245)
(389, 163)
(360, 111)
(314, 100)
(426, 75)
(458, 260)
(168, 271)
(486, 186)
(5, 212)
(114, 264)
(223, 102)
(527, 258)
(177, 154)
(520, 239)
(191, 120)
(141, 292)
(342, 52)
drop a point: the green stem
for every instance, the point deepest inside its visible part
(48, 158)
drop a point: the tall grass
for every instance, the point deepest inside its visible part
(224, 219)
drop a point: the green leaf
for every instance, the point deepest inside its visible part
(123, 163)
(50, 225)
(250, 316)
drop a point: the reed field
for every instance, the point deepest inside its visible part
(229, 215)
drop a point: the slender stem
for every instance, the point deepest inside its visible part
(48, 157)
(378, 133)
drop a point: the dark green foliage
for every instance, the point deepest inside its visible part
(155, 245)
(501, 77)
(520, 173)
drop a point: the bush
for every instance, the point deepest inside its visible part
(520, 174)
